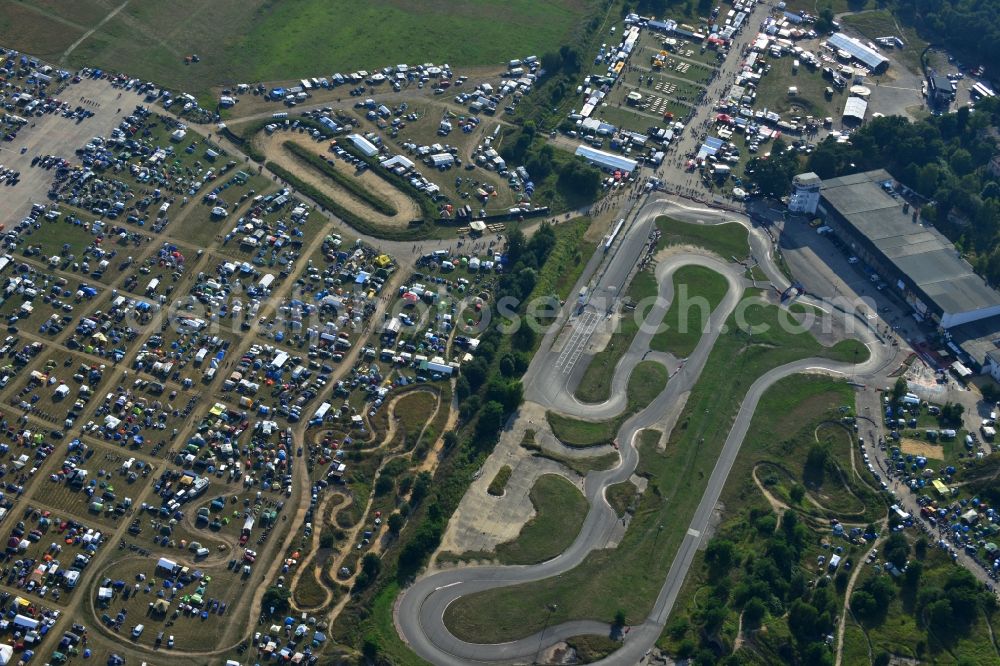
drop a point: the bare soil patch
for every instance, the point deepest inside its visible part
(917, 448)
(408, 209)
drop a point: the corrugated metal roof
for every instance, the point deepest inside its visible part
(920, 252)
(869, 57)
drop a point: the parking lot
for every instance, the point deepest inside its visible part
(51, 135)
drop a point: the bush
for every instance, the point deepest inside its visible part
(275, 598)
(499, 483)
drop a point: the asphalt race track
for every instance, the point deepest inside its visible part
(420, 611)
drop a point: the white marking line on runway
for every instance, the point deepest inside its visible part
(693, 532)
(457, 582)
(582, 329)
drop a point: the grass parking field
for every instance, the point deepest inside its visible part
(59, 238)
(810, 98)
(198, 227)
(195, 614)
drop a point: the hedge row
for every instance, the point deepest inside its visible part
(352, 185)
(415, 231)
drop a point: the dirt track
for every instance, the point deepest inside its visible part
(272, 147)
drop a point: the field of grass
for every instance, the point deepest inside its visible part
(559, 512)
(579, 433)
(569, 258)
(697, 292)
(308, 592)
(772, 93)
(879, 23)
(900, 632)
(629, 576)
(648, 379)
(22, 26)
(380, 628)
(595, 385)
(264, 40)
(726, 240)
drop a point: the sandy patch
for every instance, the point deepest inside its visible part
(918, 448)
(406, 207)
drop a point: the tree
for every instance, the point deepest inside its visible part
(371, 565)
(475, 371)
(713, 617)
(275, 600)
(720, 555)
(941, 614)
(797, 493)
(803, 620)
(490, 422)
(773, 174)
(824, 23)
(370, 647)
(619, 621)
(899, 389)
(395, 523)
(578, 180)
(815, 466)
(420, 487)
(897, 550)
(686, 649)
(817, 654)
(882, 589)
(951, 414)
(506, 366)
(913, 572)
(462, 388)
(384, 485)
(450, 439)
(754, 612)
(864, 605)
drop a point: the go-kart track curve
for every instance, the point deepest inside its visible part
(420, 611)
